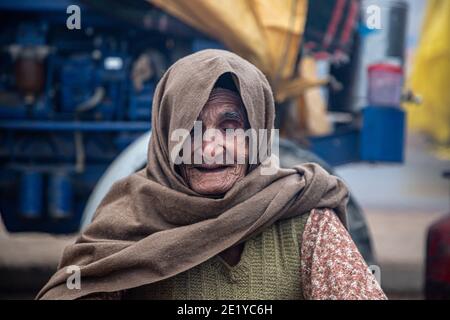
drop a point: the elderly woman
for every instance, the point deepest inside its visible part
(215, 230)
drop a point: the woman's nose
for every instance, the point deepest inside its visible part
(213, 146)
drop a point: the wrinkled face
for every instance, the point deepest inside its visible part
(222, 114)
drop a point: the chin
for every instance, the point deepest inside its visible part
(214, 183)
(213, 190)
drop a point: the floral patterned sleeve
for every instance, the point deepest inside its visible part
(332, 267)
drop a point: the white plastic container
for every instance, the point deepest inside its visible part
(385, 84)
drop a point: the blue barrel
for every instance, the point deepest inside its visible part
(383, 134)
(60, 195)
(31, 193)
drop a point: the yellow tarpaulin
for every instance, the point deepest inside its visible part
(265, 32)
(430, 77)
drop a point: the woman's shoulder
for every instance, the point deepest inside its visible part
(315, 216)
(323, 217)
(311, 224)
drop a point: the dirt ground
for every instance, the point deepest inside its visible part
(27, 260)
(400, 202)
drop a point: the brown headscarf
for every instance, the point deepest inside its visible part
(152, 226)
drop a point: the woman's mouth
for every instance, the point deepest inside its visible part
(211, 168)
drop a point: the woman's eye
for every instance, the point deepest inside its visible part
(229, 125)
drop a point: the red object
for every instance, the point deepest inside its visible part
(385, 84)
(437, 277)
(385, 67)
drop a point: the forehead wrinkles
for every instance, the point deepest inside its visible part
(222, 100)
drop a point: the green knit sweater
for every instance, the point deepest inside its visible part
(269, 269)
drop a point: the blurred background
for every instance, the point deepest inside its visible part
(361, 86)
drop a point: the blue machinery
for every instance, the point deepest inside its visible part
(69, 105)
(67, 108)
